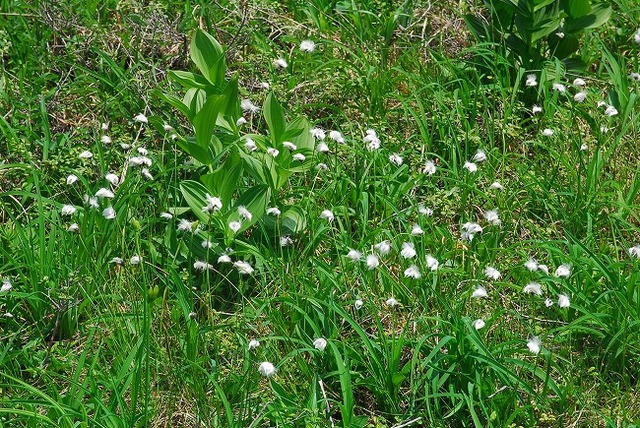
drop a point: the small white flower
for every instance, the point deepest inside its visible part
(105, 139)
(235, 226)
(635, 76)
(432, 262)
(6, 286)
(317, 133)
(536, 109)
(563, 271)
(391, 302)
(635, 251)
(479, 292)
(213, 204)
(547, 132)
(580, 96)
(354, 255)
(531, 80)
(336, 136)
(299, 157)
(372, 261)
(241, 121)
(289, 145)
(167, 127)
(185, 225)
(166, 216)
(93, 201)
(248, 106)
(320, 343)
(85, 155)
(492, 217)
(274, 211)
(266, 369)
(480, 156)
(145, 172)
(559, 87)
(479, 324)
(104, 126)
(544, 268)
(579, 82)
(611, 111)
(135, 260)
(68, 210)
(496, 186)
(408, 250)
(563, 301)
(322, 167)
(429, 167)
(273, 152)
(105, 193)
(73, 228)
(117, 260)
(265, 85)
(533, 288)
(322, 147)
(142, 151)
(358, 304)
(113, 179)
(534, 345)
(548, 303)
(206, 244)
(224, 259)
(141, 118)
(201, 265)
(602, 104)
(250, 145)
(281, 62)
(253, 344)
(243, 267)
(471, 167)
(416, 230)
(384, 248)
(395, 159)
(374, 145)
(469, 230)
(285, 241)
(560, 35)
(604, 129)
(139, 161)
(492, 273)
(531, 265)
(636, 36)
(307, 46)
(244, 213)
(412, 272)
(72, 179)
(584, 147)
(327, 215)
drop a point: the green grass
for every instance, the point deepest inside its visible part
(89, 342)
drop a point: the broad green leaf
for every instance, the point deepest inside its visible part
(255, 200)
(598, 16)
(274, 115)
(189, 80)
(293, 221)
(477, 27)
(539, 4)
(192, 149)
(578, 8)
(194, 194)
(545, 28)
(205, 120)
(178, 104)
(224, 181)
(563, 47)
(208, 56)
(303, 139)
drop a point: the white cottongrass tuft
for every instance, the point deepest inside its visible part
(117, 260)
(611, 111)
(391, 302)
(85, 155)
(317, 133)
(479, 324)
(548, 302)
(320, 344)
(479, 293)
(73, 228)
(105, 139)
(412, 272)
(480, 156)
(336, 136)
(408, 250)
(358, 304)
(531, 80)
(416, 230)
(213, 204)
(496, 186)
(289, 145)
(471, 167)
(185, 225)
(6, 286)
(396, 159)
(635, 251)
(109, 213)
(299, 157)
(492, 217)
(563, 301)
(243, 267)
(105, 193)
(531, 264)
(534, 345)
(273, 152)
(248, 106)
(266, 369)
(281, 63)
(235, 226)
(201, 265)
(224, 259)
(579, 82)
(274, 211)
(580, 96)
(536, 109)
(244, 213)
(354, 255)
(250, 145)
(253, 344)
(429, 167)
(72, 179)
(68, 210)
(327, 215)
(135, 260)
(563, 271)
(372, 261)
(492, 273)
(322, 147)
(141, 118)
(559, 87)
(285, 241)
(533, 288)
(307, 46)
(425, 210)
(432, 262)
(384, 247)
(113, 179)
(206, 244)
(166, 216)
(469, 230)
(547, 132)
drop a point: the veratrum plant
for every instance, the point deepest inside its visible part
(535, 31)
(236, 175)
